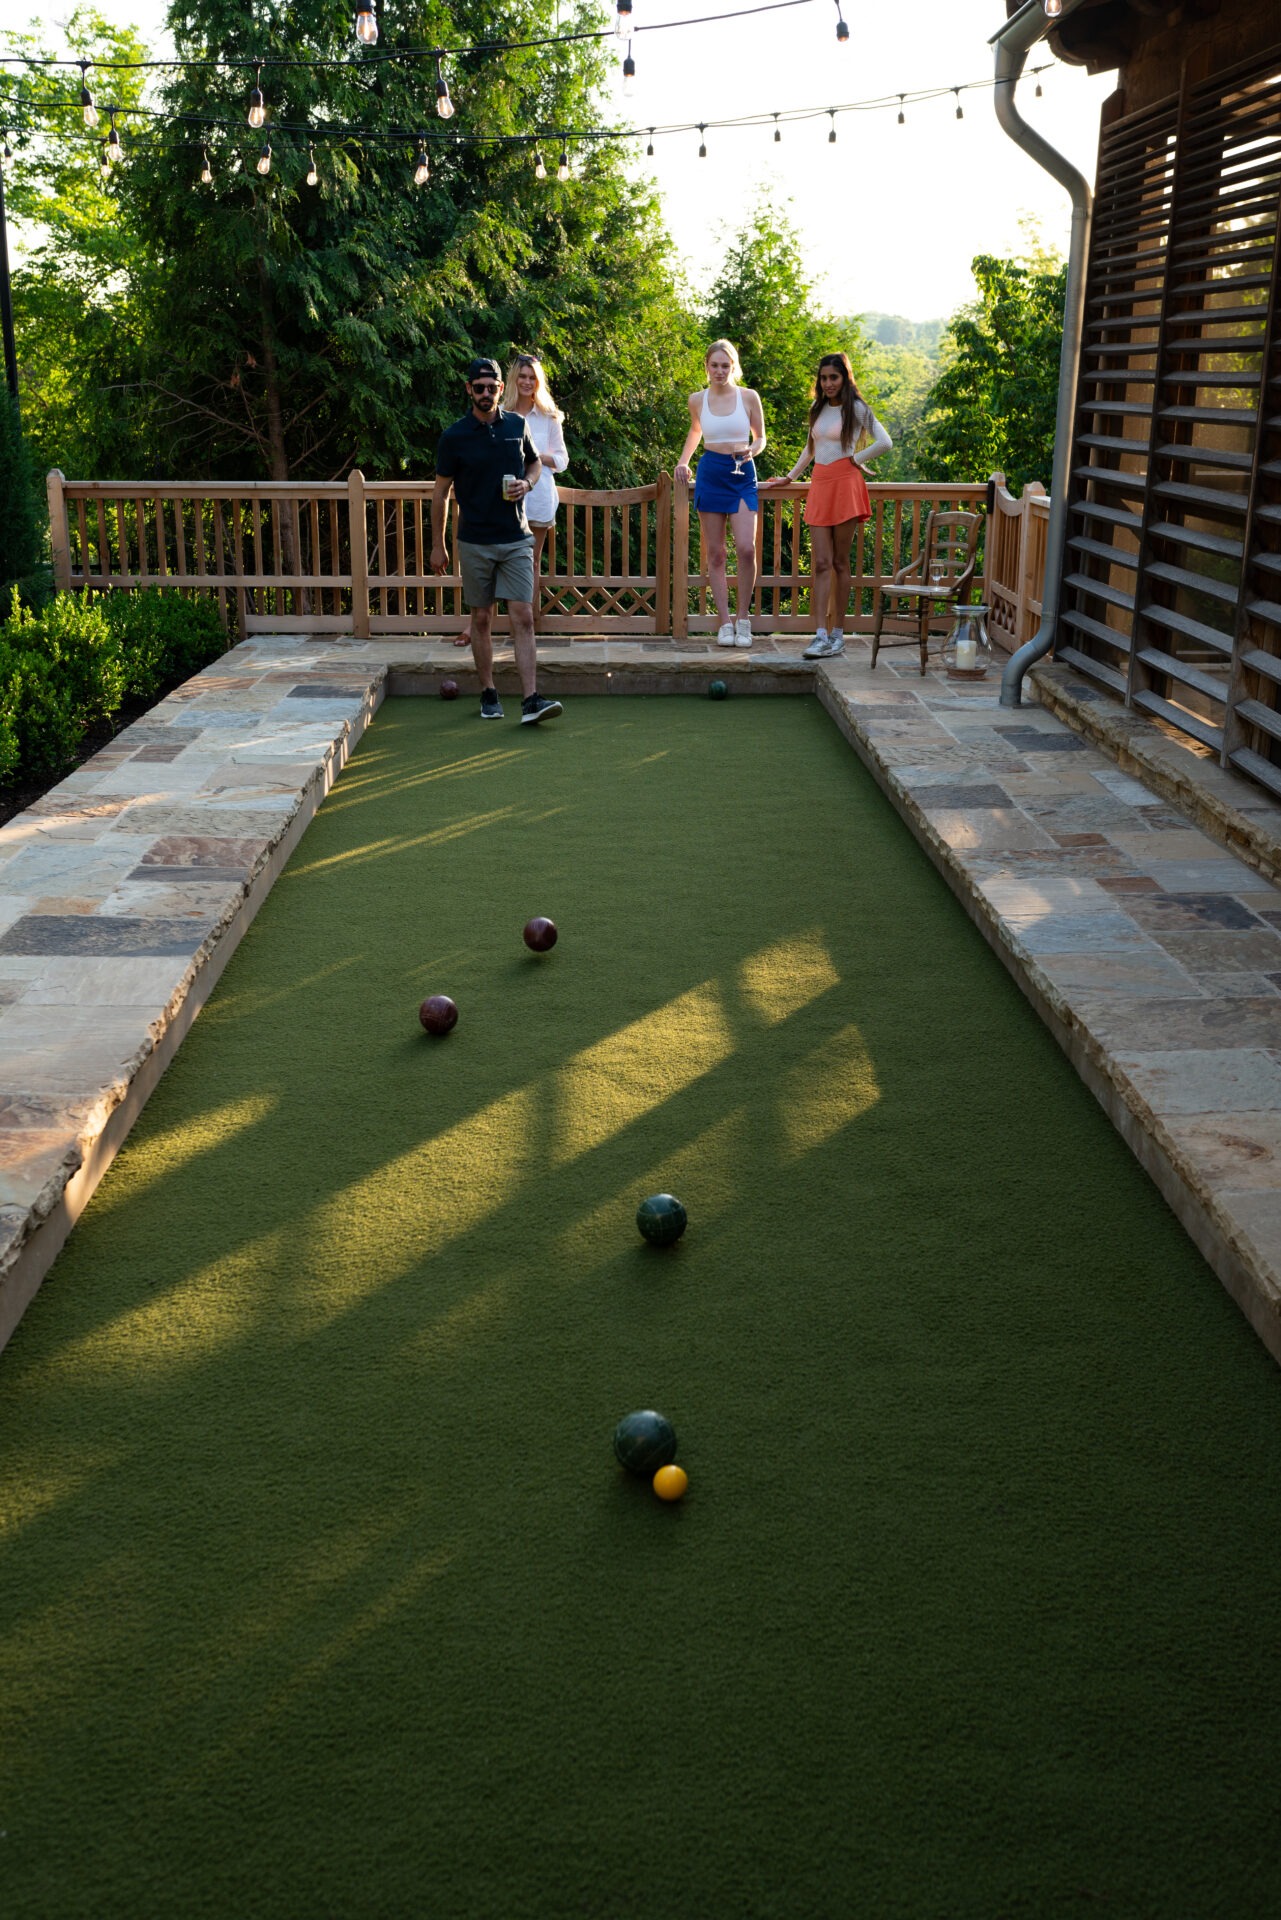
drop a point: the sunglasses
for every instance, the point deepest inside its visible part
(484, 386)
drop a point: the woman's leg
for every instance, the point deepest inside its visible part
(540, 537)
(820, 592)
(842, 543)
(713, 529)
(744, 525)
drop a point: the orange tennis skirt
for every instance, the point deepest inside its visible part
(838, 492)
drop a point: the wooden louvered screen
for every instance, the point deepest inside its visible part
(1173, 562)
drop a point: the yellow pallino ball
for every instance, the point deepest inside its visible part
(670, 1482)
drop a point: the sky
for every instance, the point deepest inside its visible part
(890, 216)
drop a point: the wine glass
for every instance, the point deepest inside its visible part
(739, 469)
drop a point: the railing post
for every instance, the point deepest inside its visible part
(58, 540)
(1028, 544)
(680, 558)
(359, 554)
(663, 555)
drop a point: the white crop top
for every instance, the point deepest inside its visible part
(726, 429)
(826, 433)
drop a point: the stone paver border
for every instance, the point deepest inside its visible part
(1151, 952)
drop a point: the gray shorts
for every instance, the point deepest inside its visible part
(492, 573)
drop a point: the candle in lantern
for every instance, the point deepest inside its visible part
(967, 655)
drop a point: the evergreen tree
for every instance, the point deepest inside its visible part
(20, 536)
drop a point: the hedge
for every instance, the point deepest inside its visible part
(73, 663)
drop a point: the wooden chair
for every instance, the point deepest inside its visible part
(940, 575)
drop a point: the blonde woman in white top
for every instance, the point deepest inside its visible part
(528, 394)
(844, 435)
(727, 417)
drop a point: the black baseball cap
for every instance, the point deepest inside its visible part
(478, 367)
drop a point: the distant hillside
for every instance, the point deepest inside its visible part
(892, 330)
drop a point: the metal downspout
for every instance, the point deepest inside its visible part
(1012, 45)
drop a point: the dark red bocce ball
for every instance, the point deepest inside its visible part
(438, 1014)
(449, 689)
(540, 934)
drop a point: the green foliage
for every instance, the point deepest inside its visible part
(258, 326)
(897, 381)
(993, 408)
(892, 330)
(763, 300)
(19, 525)
(162, 637)
(70, 666)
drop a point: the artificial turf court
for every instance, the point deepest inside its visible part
(322, 1593)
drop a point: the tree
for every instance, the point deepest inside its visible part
(763, 300)
(993, 408)
(19, 526)
(278, 327)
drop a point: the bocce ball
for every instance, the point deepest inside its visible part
(644, 1442)
(718, 690)
(540, 934)
(449, 689)
(438, 1014)
(670, 1482)
(662, 1219)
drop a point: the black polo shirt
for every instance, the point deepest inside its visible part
(475, 454)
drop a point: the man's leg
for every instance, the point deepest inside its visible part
(521, 615)
(482, 644)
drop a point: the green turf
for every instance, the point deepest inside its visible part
(322, 1591)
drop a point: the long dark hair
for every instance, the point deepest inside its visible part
(855, 411)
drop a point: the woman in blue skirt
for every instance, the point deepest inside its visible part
(727, 418)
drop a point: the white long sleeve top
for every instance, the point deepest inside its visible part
(542, 502)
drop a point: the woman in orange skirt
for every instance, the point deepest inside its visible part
(844, 435)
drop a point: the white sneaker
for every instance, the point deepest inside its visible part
(824, 649)
(817, 646)
(725, 638)
(743, 632)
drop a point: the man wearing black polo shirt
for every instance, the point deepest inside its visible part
(489, 460)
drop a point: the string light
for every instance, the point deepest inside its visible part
(702, 147)
(313, 176)
(444, 105)
(105, 162)
(902, 117)
(1038, 90)
(629, 73)
(366, 24)
(842, 31)
(562, 165)
(623, 19)
(86, 98)
(113, 148)
(540, 167)
(649, 151)
(422, 171)
(831, 138)
(257, 104)
(960, 110)
(264, 159)
(1053, 8)
(778, 138)
(206, 171)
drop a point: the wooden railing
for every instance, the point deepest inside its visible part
(353, 556)
(1016, 533)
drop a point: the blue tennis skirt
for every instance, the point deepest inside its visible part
(718, 490)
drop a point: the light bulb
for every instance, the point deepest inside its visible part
(960, 110)
(1053, 8)
(831, 138)
(264, 160)
(1038, 90)
(842, 31)
(113, 144)
(366, 24)
(444, 105)
(257, 108)
(778, 138)
(313, 177)
(105, 162)
(629, 74)
(540, 167)
(649, 151)
(86, 98)
(902, 117)
(206, 171)
(702, 144)
(562, 165)
(623, 20)
(422, 171)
